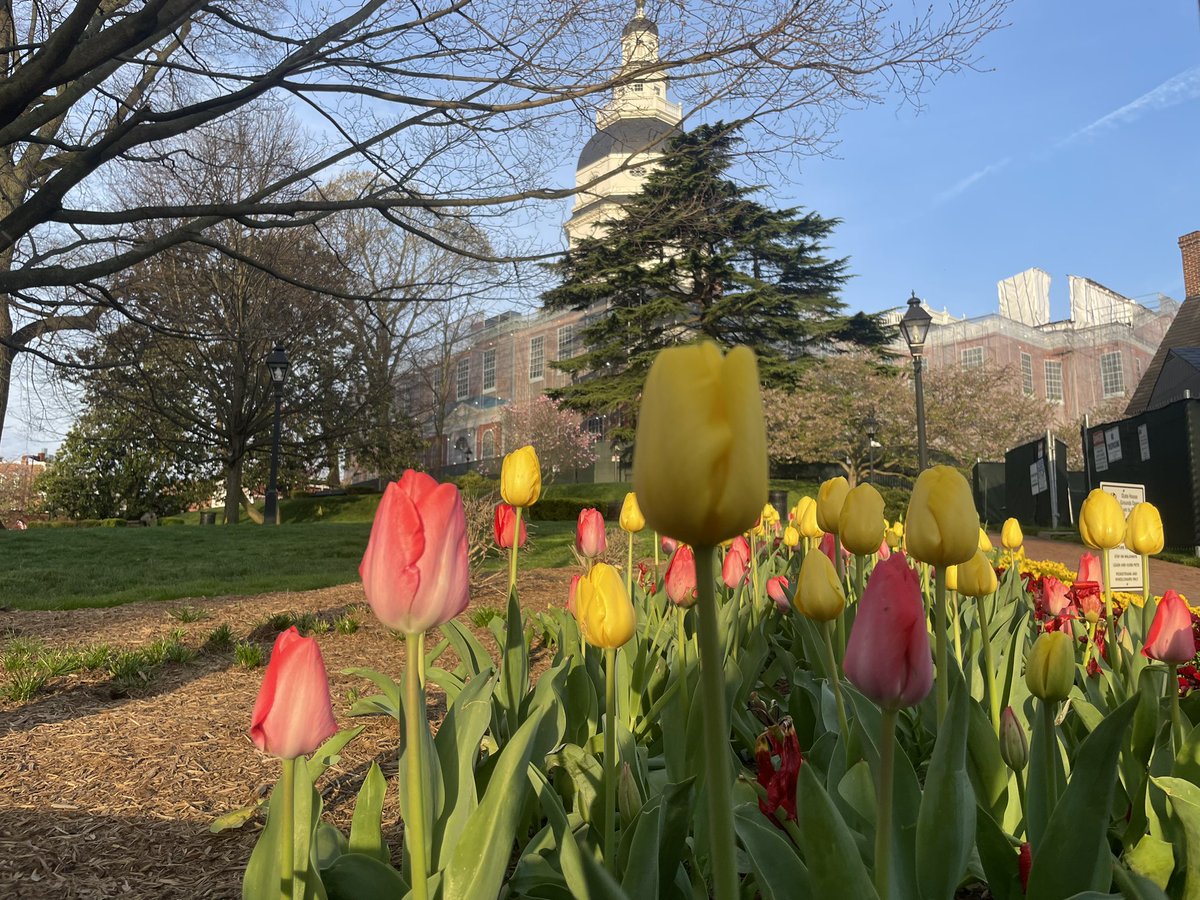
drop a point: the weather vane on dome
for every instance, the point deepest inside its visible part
(641, 8)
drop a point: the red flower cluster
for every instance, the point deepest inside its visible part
(777, 753)
(646, 578)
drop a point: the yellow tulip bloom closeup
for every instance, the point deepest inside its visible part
(1144, 530)
(861, 523)
(603, 609)
(700, 461)
(521, 477)
(1010, 535)
(806, 518)
(819, 594)
(830, 498)
(1050, 666)
(985, 542)
(976, 577)
(791, 537)
(952, 578)
(632, 519)
(942, 526)
(1101, 521)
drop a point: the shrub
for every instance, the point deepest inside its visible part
(23, 685)
(220, 638)
(248, 655)
(188, 614)
(345, 624)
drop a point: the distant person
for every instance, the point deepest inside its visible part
(21, 526)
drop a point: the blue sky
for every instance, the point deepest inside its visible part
(1077, 150)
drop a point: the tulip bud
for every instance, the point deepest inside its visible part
(629, 798)
(887, 656)
(777, 591)
(767, 520)
(952, 578)
(1101, 521)
(830, 498)
(806, 517)
(1014, 748)
(521, 477)
(976, 577)
(700, 463)
(293, 714)
(861, 523)
(1050, 666)
(1090, 570)
(669, 544)
(1144, 530)
(632, 519)
(985, 542)
(1054, 596)
(590, 540)
(819, 594)
(736, 563)
(791, 537)
(1171, 638)
(680, 579)
(502, 527)
(573, 592)
(602, 608)
(942, 526)
(1010, 535)
(895, 535)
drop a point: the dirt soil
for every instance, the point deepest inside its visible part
(110, 794)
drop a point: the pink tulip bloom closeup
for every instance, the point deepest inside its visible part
(1171, 638)
(887, 657)
(885, 552)
(572, 592)
(1055, 597)
(415, 571)
(293, 714)
(827, 548)
(502, 527)
(680, 579)
(737, 561)
(777, 591)
(590, 540)
(669, 544)
(1090, 570)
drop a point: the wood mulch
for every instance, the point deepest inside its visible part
(111, 794)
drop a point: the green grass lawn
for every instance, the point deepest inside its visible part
(73, 567)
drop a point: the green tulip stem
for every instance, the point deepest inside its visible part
(860, 574)
(1177, 733)
(629, 569)
(657, 543)
(414, 723)
(754, 576)
(939, 633)
(955, 614)
(287, 811)
(716, 734)
(512, 551)
(1050, 747)
(662, 622)
(610, 759)
(883, 818)
(1110, 634)
(989, 668)
(836, 682)
(681, 649)
(1145, 580)
(1021, 798)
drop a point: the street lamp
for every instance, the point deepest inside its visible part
(871, 426)
(277, 365)
(915, 327)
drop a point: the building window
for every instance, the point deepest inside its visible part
(489, 370)
(1111, 376)
(1027, 374)
(594, 425)
(537, 358)
(487, 446)
(462, 379)
(1054, 383)
(971, 358)
(638, 86)
(566, 342)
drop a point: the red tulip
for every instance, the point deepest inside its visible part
(502, 526)
(590, 540)
(1024, 865)
(669, 544)
(827, 549)
(1086, 595)
(777, 591)
(681, 577)
(737, 561)
(779, 742)
(884, 552)
(887, 656)
(293, 715)
(1054, 596)
(1171, 639)
(571, 593)
(1090, 569)
(415, 571)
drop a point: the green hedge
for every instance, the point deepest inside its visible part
(564, 509)
(79, 523)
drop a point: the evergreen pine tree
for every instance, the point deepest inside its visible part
(693, 255)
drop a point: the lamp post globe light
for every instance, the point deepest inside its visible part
(915, 328)
(277, 365)
(871, 426)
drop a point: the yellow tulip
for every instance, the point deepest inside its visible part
(806, 517)
(791, 537)
(1144, 530)
(603, 609)
(1010, 535)
(895, 534)
(819, 594)
(985, 543)
(1050, 666)
(942, 526)
(632, 519)
(860, 523)
(830, 498)
(521, 477)
(767, 520)
(700, 462)
(976, 577)
(952, 578)
(1101, 521)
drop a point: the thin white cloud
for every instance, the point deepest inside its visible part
(961, 185)
(1175, 90)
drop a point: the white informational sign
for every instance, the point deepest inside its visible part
(1098, 451)
(1144, 441)
(1037, 477)
(1125, 566)
(1112, 443)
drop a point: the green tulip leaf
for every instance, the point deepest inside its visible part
(998, 857)
(328, 845)
(1185, 803)
(1079, 823)
(514, 670)
(946, 823)
(235, 819)
(327, 754)
(264, 871)
(365, 834)
(1136, 887)
(985, 766)
(778, 872)
(457, 747)
(473, 656)
(388, 702)
(587, 779)
(1152, 858)
(656, 842)
(830, 852)
(357, 876)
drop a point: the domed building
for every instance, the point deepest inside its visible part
(631, 130)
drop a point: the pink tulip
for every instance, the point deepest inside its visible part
(777, 591)
(681, 577)
(502, 526)
(669, 544)
(827, 549)
(887, 657)
(571, 593)
(415, 572)
(293, 715)
(1090, 570)
(884, 552)
(1171, 639)
(590, 540)
(737, 561)
(1054, 596)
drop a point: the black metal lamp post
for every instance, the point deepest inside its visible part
(915, 328)
(277, 365)
(871, 425)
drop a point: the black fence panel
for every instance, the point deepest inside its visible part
(1035, 483)
(987, 484)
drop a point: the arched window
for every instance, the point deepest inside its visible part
(488, 447)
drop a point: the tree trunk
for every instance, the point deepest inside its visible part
(7, 356)
(233, 491)
(334, 478)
